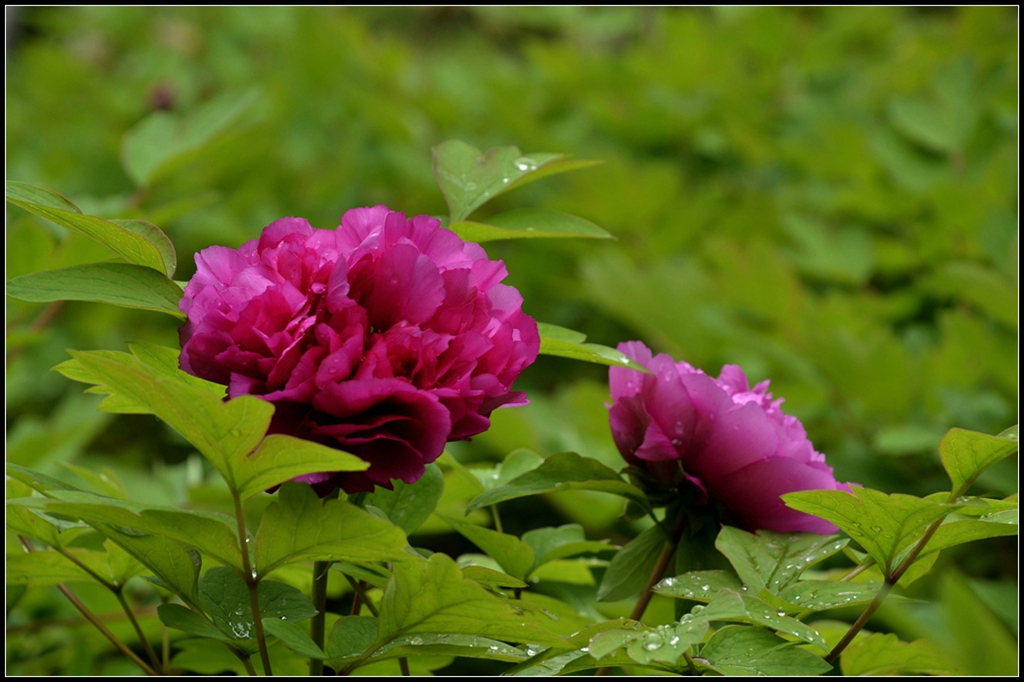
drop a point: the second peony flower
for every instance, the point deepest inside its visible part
(730, 442)
(386, 337)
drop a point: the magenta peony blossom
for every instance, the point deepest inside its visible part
(385, 337)
(731, 442)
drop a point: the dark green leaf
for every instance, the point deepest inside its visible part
(632, 565)
(122, 284)
(819, 595)
(180, 618)
(698, 585)
(44, 568)
(550, 544)
(468, 646)
(563, 471)
(351, 637)
(294, 637)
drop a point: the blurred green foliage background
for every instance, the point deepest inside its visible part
(825, 196)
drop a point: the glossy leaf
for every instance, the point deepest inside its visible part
(122, 284)
(884, 525)
(410, 504)
(563, 471)
(298, 527)
(773, 560)
(432, 597)
(468, 646)
(698, 585)
(740, 650)
(965, 454)
(280, 458)
(565, 343)
(181, 618)
(731, 606)
(820, 595)
(527, 223)
(468, 178)
(293, 636)
(46, 203)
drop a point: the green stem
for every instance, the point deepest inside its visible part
(890, 582)
(675, 535)
(138, 628)
(252, 583)
(318, 626)
(96, 622)
(361, 595)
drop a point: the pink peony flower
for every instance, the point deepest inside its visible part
(733, 443)
(385, 337)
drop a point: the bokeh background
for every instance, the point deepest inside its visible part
(825, 196)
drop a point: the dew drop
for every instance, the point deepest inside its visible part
(416, 641)
(530, 652)
(705, 587)
(585, 649)
(697, 609)
(652, 646)
(744, 588)
(780, 612)
(674, 641)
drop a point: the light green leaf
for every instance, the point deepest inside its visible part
(527, 223)
(773, 560)
(885, 654)
(731, 606)
(280, 458)
(511, 553)
(162, 140)
(294, 637)
(698, 585)
(157, 237)
(432, 597)
(298, 527)
(35, 523)
(209, 532)
(551, 544)
(965, 454)
(563, 471)
(47, 567)
(632, 565)
(493, 580)
(410, 504)
(884, 525)
(566, 343)
(820, 595)
(163, 360)
(741, 650)
(468, 178)
(46, 203)
(468, 646)
(662, 644)
(122, 284)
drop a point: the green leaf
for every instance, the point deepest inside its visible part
(884, 525)
(162, 140)
(297, 527)
(432, 597)
(280, 458)
(527, 223)
(175, 567)
(885, 654)
(46, 203)
(965, 454)
(410, 504)
(566, 343)
(468, 179)
(468, 646)
(294, 637)
(282, 602)
(740, 650)
(632, 565)
(181, 618)
(351, 637)
(661, 644)
(732, 606)
(37, 524)
(209, 532)
(820, 595)
(491, 579)
(225, 598)
(551, 544)
(563, 471)
(511, 553)
(44, 568)
(958, 529)
(982, 644)
(163, 360)
(122, 284)
(698, 585)
(773, 560)
(157, 237)
(225, 432)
